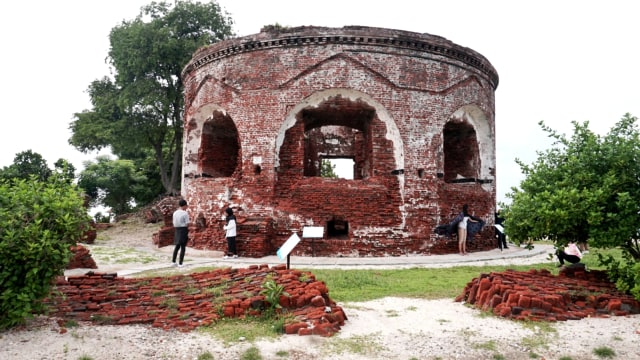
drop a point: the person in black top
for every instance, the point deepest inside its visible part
(502, 238)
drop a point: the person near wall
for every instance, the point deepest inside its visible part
(571, 254)
(471, 228)
(181, 225)
(499, 227)
(230, 228)
(463, 224)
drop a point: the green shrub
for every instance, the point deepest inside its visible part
(39, 221)
(272, 292)
(624, 272)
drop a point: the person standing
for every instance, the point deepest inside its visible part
(230, 228)
(462, 229)
(181, 224)
(502, 238)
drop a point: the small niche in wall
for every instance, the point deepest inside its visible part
(337, 229)
(257, 169)
(420, 173)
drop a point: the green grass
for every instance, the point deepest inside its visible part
(357, 344)
(206, 356)
(604, 352)
(252, 353)
(249, 329)
(122, 255)
(365, 285)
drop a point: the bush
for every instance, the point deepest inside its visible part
(39, 221)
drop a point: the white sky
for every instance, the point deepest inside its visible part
(558, 61)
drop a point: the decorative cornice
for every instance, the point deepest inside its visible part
(347, 36)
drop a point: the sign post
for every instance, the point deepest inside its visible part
(313, 232)
(286, 248)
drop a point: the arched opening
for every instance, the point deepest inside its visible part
(219, 146)
(461, 156)
(338, 129)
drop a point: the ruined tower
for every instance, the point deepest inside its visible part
(412, 115)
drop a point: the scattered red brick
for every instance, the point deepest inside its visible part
(539, 295)
(81, 259)
(185, 302)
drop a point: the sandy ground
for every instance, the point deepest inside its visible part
(389, 328)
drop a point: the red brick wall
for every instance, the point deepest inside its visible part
(393, 91)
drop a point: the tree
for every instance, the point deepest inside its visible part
(39, 221)
(113, 183)
(27, 164)
(139, 113)
(327, 169)
(65, 170)
(584, 188)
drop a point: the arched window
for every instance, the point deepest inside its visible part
(461, 155)
(219, 147)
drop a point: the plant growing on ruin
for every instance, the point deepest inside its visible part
(272, 292)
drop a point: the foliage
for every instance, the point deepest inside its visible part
(39, 221)
(583, 188)
(604, 352)
(249, 328)
(25, 165)
(272, 292)
(99, 217)
(138, 113)
(65, 170)
(252, 353)
(112, 183)
(28, 164)
(327, 169)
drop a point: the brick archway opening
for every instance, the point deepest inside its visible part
(461, 157)
(219, 146)
(338, 128)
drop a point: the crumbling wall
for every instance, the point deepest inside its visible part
(415, 112)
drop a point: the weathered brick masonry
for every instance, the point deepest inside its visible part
(413, 112)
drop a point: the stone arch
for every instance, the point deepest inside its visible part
(342, 108)
(467, 149)
(214, 148)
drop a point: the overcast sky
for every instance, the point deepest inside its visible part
(558, 61)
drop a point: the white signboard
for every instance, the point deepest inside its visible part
(313, 232)
(288, 245)
(499, 227)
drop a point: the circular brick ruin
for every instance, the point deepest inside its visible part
(413, 116)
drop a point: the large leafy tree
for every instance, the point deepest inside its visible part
(25, 165)
(586, 187)
(138, 113)
(117, 184)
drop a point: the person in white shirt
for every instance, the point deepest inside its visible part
(230, 228)
(571, 254)
(462, 229)
(181, 224)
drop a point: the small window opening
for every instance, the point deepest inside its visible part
(257, 169)
(338, 168)
(337, 228)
